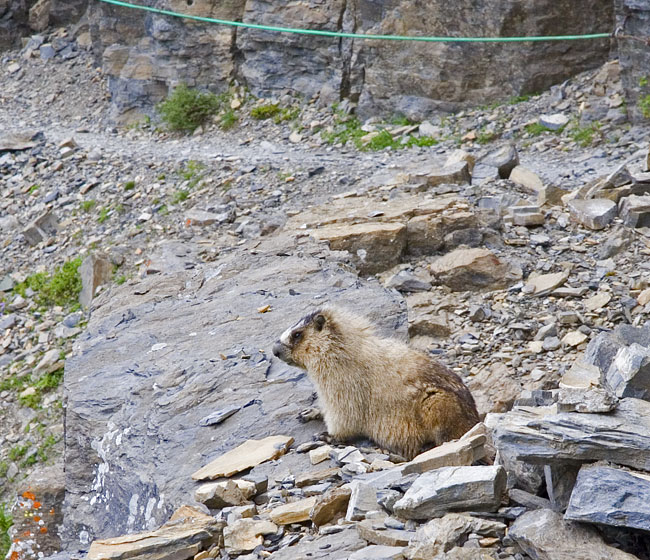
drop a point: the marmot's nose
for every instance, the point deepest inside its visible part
(277, 349)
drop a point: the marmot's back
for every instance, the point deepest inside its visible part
(377, 387)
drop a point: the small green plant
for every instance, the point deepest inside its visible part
(228, 119)
(644, 106)
(485, 137)
(33, 189)
(43, 449)
(5, 523)
(401, 121)
(345, 129)
(129, 185)
(104, 213)
(535, 129)
(381, 141)
(61, 288)
(119, 280)
(4, 469)
(186, 109)
(286, 114)
(163, 211)
(87, 205)
(584, 136)
(180, 195)
(519, 99)
(421, 141)
(643, 81)
(31, 401)
(50, 381)
(262, 112)
(18, 451)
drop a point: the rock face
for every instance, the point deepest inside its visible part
(146, 54)
(632, 15)
(153, 363)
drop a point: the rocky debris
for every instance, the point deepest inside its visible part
(556, 121)
(185, 534)
(544, 534)
(294, 512)
(595, 213)
(610, 496)
(378, 552)
(343, 542)
(453, 489)
(473, 269)
(19, 140)
(581, 399)
(376, 532)
(543, 284)
(529, 181)
(363, 499)
(330, 505)
(247, 455)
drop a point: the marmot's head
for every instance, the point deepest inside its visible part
(305, 340)
(324, 336)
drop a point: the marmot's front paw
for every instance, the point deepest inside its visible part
(309, 414)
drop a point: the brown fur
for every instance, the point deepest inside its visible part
(376, 387)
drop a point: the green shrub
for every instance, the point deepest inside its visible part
(87, 205)
(585, 135)
(228, 119)
(644, 105)
(129, 185)
(61, 288)
(186, 109)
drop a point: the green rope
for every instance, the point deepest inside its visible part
(360, 35)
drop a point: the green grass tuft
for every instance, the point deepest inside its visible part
(262, 112)
(5, 523)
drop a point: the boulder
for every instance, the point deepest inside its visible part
(473, 269)
(453, 489)
(594, 213)
(157, 358)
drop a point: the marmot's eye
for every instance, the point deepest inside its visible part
(296, 336)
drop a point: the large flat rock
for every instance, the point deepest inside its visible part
(160, 355)
(611, 496)
(539, 435)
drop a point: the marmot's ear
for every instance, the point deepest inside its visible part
(319, 322)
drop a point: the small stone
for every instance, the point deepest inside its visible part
(556, 121)
(595, 213)
(41, 228)
(379, 534)
(247, 455)
(600, 300)
(405, 281)
(329, 506)
(51, 361)
(528, 216)
(314, 477)
(458, 156)
(528, 180)
(293, 512)
(217, 495)
(644, 297)
(505, 159)
(635, 211)
(320, 454)
(219, 416)
(543, 284)
(464, 451)
(363, 498)
(200, 218)
(295, 137)
(574, 338)
(246, 534)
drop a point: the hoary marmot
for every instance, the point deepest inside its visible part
(377, 387)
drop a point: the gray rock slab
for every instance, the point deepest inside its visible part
(505, 159)
(582, 399)
(544, 535)
(453, 489)
(595, 213)
(362, 500)
(41, 228)
(160, 355)
(611, 496)
(540, 435)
